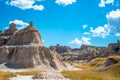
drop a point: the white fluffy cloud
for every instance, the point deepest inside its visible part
(101, 31)
(83, 40)
(113, 18)
(111, 27)
(19, 23)
(104, 2)
(113, 14)
(65, 2)
(25, 4)
(117, 34)
(76, 41)
(38, 7)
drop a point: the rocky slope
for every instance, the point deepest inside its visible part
(23, 49)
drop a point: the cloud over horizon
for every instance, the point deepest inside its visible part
(83, 40)
(101, 31)
(112, 26)
(20, 24)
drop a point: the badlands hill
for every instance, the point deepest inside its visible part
(23, 49)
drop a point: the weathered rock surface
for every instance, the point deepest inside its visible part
(23, 49)
(29, 56)
(3, 54)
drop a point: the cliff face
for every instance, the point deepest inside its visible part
(23, 49)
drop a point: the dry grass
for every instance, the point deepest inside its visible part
(97, 62)
(7, 75)
(85, 66)
(29, 72)
(88, 75)
(89, 71)
(114, 70)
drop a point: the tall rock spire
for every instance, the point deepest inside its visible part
(11, 30)
(31, 24)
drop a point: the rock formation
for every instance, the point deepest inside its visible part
(60, 49)
(88, 53)
(23, 49)
(26, 36)
(11, 30)
(114, 47)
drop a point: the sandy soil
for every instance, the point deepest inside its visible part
(21, 78)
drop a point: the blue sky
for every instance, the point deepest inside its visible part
(66, 22)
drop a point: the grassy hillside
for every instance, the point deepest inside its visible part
(90, 70)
